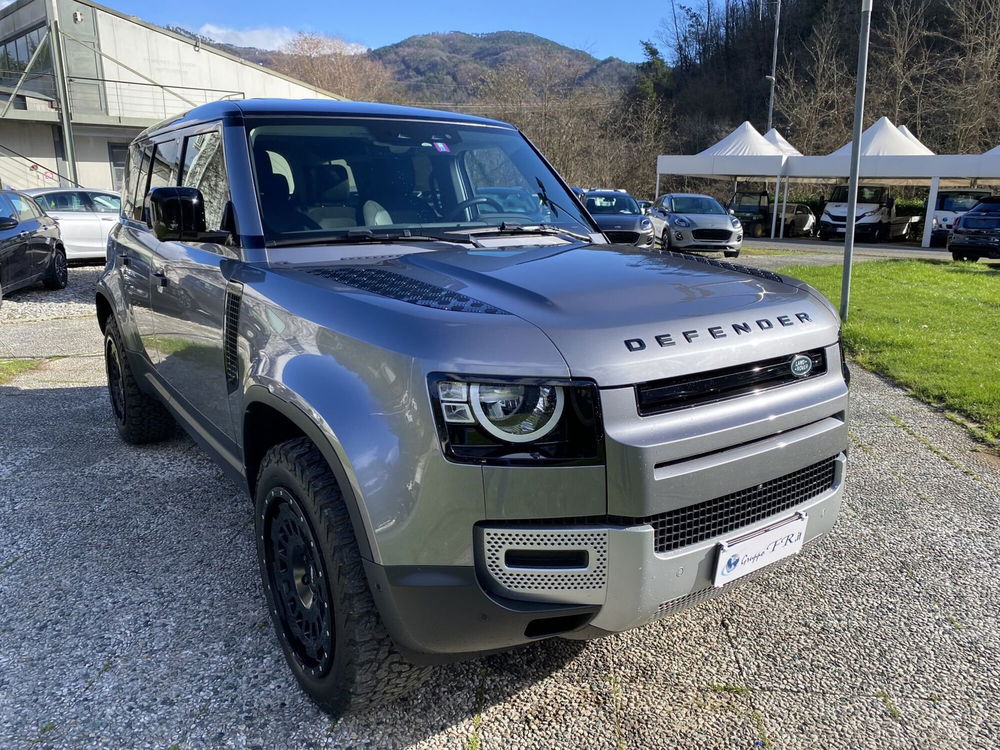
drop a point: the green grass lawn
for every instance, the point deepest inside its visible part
(932, 326)
(750, 250)
(11, 368)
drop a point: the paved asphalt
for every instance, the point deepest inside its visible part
(131, 614)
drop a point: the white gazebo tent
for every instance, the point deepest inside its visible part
(779, 141)
(916, 141)
(742, 153)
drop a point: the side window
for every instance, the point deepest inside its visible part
(25, 208)
(70, 201)
(6, 209)
(205, 169)
(166, 163)
(137, 192)
(105, 203)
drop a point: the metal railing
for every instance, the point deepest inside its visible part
(138, 99)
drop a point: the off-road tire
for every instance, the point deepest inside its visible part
(57, 273)
(962, 257)
(823, 237)
(731, 253)
(365, 669)
(757, 230)
(140, 418)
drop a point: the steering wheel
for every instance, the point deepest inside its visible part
(453, 214)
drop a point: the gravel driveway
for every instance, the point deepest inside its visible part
(131, 614)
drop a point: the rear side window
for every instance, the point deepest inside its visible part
(137, 192)
(166, 164)
(205, 169)
(105, 203)
(6, 209)
(70, 202)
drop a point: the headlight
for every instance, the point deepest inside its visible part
(873, 212)
(681, 221)
(645, 225)
(504, 421)
(735, 222)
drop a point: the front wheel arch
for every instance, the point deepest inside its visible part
(268, 421)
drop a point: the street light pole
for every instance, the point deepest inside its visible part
(774, 67)
(852, 190)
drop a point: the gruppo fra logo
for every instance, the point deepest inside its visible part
(731, 564)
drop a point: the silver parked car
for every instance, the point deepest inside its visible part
(800, 221)
(687, 221)
(464, 427)
(85, 218)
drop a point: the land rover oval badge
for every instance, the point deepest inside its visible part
(801, 365)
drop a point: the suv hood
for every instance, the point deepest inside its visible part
(623, 316)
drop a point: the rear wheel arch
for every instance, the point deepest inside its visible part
(104, 310)
(269, 421)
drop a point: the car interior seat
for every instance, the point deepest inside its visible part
(277, 211)
(335, 206)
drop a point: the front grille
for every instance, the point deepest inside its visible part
(623, 238)
(696, 523)
(660, 396)
(711, 234)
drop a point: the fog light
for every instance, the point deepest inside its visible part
(739, 238)
(678, 236)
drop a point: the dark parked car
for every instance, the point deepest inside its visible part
(620, 218)
(30, 247)
(976, 234)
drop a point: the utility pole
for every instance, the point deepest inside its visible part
(62, 90)
(773, 78)
(852, 190)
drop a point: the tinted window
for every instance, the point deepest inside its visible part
(105, 203)
(612, 204)
(205, 169)
(25, 208)
(958, 201)
(166, 162)
(6, 209)
(137, 192)
(74, 201)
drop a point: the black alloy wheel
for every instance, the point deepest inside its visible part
(298, 581)
(116, 383)
(57, 274)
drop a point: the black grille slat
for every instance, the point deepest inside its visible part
(405, 289)
(669, 394)
(230, 356)
(761, 273)
(711, 234)
(622, 238)
(721, 515)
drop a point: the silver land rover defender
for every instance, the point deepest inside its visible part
(465, 424)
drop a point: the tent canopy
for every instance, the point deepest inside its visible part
(744, 141)
(885, 139)
(779, 142)
(916, 141)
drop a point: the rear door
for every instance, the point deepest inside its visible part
(106, 208)
(12, 248)
(189, 298)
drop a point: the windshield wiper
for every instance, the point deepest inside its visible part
(508, 228)
(361, 237)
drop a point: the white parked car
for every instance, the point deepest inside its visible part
(800, 221)
(85, 218)
(686, 221)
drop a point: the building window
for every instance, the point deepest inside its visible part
(117, 153)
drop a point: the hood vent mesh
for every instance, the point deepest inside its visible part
(759, 272)
(403, 288)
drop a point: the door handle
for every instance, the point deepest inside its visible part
(125, 260)
(161, 278)
(25, 233)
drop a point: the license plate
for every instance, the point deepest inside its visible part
(743, 555)
(841, 229)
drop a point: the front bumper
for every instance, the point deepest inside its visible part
(695, 239)
(866, 229)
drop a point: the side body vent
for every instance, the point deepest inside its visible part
(230, 335)
(397, 286)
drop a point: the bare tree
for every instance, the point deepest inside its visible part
(333, 65)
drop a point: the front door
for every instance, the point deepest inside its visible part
(189, 295)
(12, 248)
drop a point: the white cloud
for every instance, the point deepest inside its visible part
(266, 37)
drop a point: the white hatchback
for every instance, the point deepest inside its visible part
(85, 218)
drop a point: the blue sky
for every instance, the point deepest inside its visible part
(602, 29)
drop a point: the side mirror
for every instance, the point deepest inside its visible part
(7, 222)
(178, 213)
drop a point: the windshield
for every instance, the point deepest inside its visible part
(326, 178)
(696, 204)
(748, 202)
(958, 201)
(865, 194)
(603, 203)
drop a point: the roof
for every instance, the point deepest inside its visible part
(884, 139)
(303, 107)
(743, 141)
(49, 190)
(778, 140)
